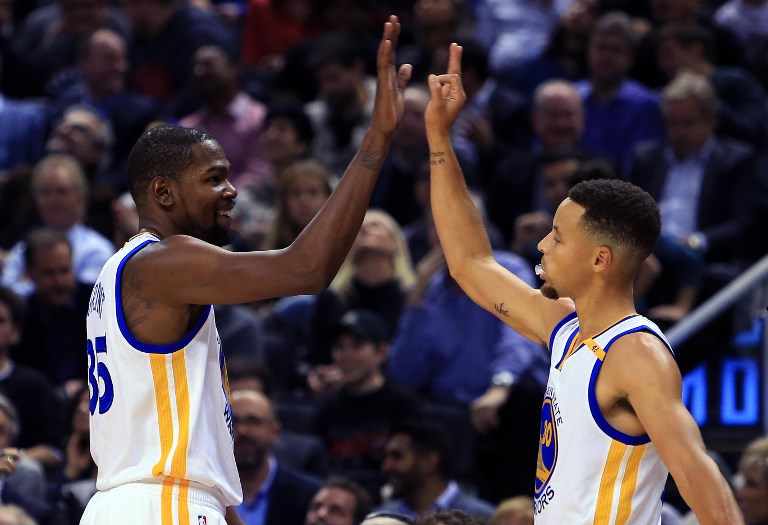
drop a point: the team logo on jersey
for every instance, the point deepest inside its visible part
(547, 446)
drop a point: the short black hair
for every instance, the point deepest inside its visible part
(620, 214)
(163, 151)
(447, 517)
(296, 115)
(14, 303)
(363, 501)
(427, 437)
(42, 239)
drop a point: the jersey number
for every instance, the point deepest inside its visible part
(98, 371)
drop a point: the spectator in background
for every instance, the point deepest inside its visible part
(741, 110)
(23, 125)
(376, 275)
(708, 191)
(396, 188)
(679, 13)
(620, 113)
(514, 511)
(53, 335)
(558, 123)
(228, 114)
(87, 135)
(60, 190)
(340, 501)
(748, 20)
(447, 517)
(343, 108)
(76, 481)
(306, 187)
(38, 409)
(102, 64)
(752, 482)
(417, 462)
(48, 42)
(361, 406)
(24, 481)
(272, 27)
(515, 32)
(273, 494)
(286, 138)
(566, 53)
(167, 34)
(453, 351)
(434, 23)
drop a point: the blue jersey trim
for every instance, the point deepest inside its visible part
(597, 416)
(146, 347)
(557, 328)
(595, 409)
(568, 346)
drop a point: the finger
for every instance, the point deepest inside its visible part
(395, 29)
(383, 56)
(404, 76)
(435, 87)
(454, 59)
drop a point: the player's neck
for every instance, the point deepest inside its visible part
(599, 311)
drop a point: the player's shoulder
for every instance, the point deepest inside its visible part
(642, 351)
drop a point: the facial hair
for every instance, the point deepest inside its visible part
(549, 292)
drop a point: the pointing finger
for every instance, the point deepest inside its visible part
(454, 59)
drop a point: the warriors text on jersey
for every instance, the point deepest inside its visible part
(159, 414)
(589, 472)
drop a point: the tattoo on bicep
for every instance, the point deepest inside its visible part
(132, 301)
(437, 157)
(371, 159)
(500, 308)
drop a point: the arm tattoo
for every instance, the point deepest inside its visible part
(500, 308)
(132, 299)
(371, 159)
(437, 157)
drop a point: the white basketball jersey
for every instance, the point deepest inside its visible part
(588, 472)
(158, 413)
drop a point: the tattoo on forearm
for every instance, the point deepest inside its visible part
(500, 308)
(371, 159)
(437, 157)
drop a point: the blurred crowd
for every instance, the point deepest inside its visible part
(391, 390)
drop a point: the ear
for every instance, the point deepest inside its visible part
(15, 335)
(603, 258)
(160, 190)
(382, 351)
(429, 461)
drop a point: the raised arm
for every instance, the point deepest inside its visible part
(460, 227)
(647, 373)
(213, 275)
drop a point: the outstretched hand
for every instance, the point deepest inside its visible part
(388, 109)
(448, 95)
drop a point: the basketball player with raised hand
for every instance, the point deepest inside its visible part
(161, 424)
(612, 419)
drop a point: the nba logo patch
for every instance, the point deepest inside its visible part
(202, 520)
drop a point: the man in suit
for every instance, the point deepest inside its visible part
(272, 494)
(417, 463)
(709, 193)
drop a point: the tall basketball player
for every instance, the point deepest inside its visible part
(161, 424)
(612, 420)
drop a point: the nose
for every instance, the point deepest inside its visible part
(540, 246)
(230, 192)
